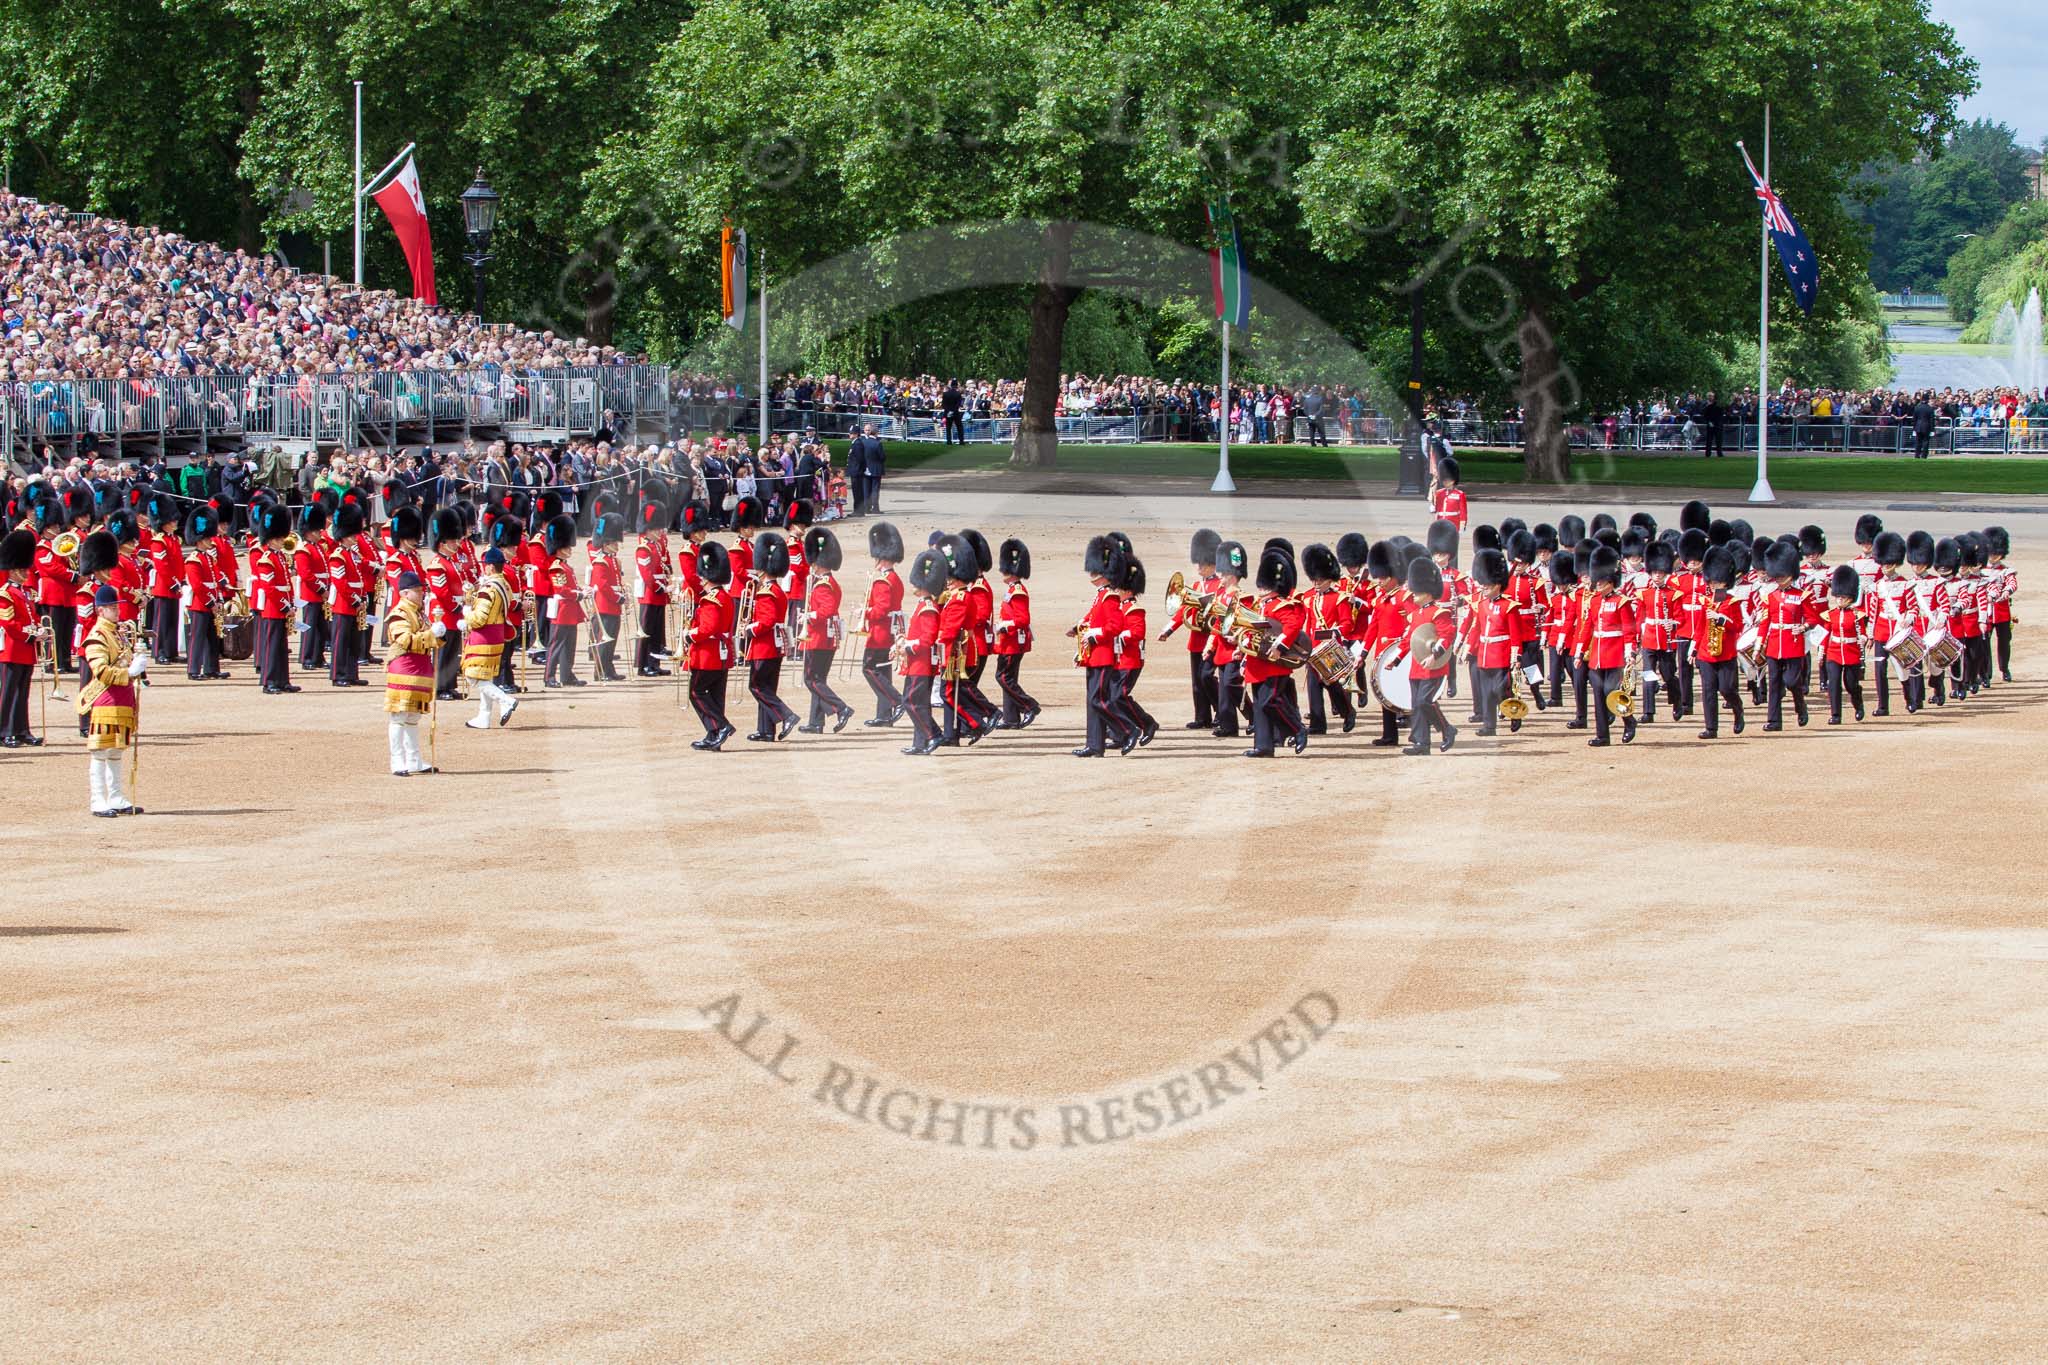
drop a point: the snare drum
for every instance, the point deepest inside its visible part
(1390, 681)
(1331, 662)
(1749, 652)
(1943, 649)
(1906, 649)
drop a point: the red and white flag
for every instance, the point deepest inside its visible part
(396, 189)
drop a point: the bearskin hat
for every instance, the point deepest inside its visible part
(1546, 537)
(17, 550)
(77, 504)
(99, 553)
(1571, 529)
(273, 523)
(714, 564)
(697, 518)
(1521, 547)
(1318, 561)
(885, 543)
(1379, 560)
(559, 533)
(1424, 577)
(1602, 521)
(1232, 560)
(928, 573)
(1133, 580)
(962, 564)
(771, 554)
(1695, 516)
(1280, 543)
(1739, 552)
(1644, 522)
(1693, 545)
(203, 523)
(1781, 560)
(1096, 560)
(1889, 548)
(1411, 551)
(1997, 540)
(984, 558)
(801, 513)
(312, 519)
(105, 497)
(1485, 537)
(160, 508)
(1919, 548)
(405, 524)
(1719, 568)
(654, 513)
(1845, 582)
(1972, 546)
(1605, 565)
(1123, 542)
(1948, 554)
(821, 548)
(1759, 546)
(121, 526)
(551, 505)
(447, 527)
(1202, 548)
(1014, 559)
(1740, 529)
(1812, 540)
(506, 534)
(1490, 569)
(1277, 573)
(1719, 532)
(1352, 549)
(1659, 557)
(465, 513)
(348, 519)
(608, 530)
(1868, 527)
(1443, 538)
(1510, 525)
(1447, 469)
(1633, 544)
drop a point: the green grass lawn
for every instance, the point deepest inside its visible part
(1375, 467)
(1936, 317)
(1948, 348)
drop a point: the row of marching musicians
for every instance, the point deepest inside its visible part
(1699, 613)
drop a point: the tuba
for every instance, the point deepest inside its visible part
(1621, 702)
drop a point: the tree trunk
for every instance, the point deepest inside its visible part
(1546, 390)
(599, 296)
(1037, 442)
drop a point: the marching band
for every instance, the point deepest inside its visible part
(1704, 616)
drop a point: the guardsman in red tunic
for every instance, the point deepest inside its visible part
(204, 590)
(1354, 606)
(919, 647)
(1787, 614)
(1611, 631)
(1691, 588)
(538, 580)
(1266, 671)
(1660, 613)
(446, 575)
(346, 573)
(1890, 606)
(707, 646)
(1232, 564)
(166, 580)
(1426, 639)
(1095, 645)
(1328, 606)
(19, 631)
(796, 587)
(1447, 500)
(607, 593)
(270, 597)
(2004, 581)
(957, 641)
(881, 622)
(1140, 728)
(309, 579)
(1525, 592)
(1490, 636)
(1201, 672)
(1386, 627)
(761, 637)
(56, 582)
(487, 635)
(747, 516)
(125, 578)
(823, 631)
(1013, 634)
(411, 640)
(402, 537)
(562, 603)
(653, 571)
(1845, 620)
(1722, 618)
(109, 705)
(1442, 540)
(981, 602)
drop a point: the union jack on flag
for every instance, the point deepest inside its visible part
(1802, 267)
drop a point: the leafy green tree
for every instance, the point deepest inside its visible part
(1956, 199)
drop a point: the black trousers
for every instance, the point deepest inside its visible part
(1557, 669)
(1427, 719)
(874, 666)
(163, 619)
(15, 682)
(1717, 445)
(653, 637)
(344, 663)
(1229, 697)
(825, 703)
(1782, 676)
(1881, 666)
(202, 659)
(1579, 691)
(1489, 689)
(1317, 435)
(448, 663)
(1105, 725)
(1921, 440)
(1838, 678)
(1202, 677)
(1660, 674)
(956, 700)
(312, 635)
(63, 619)
(1718, 684)
(1338, 704)
(707, 698)
(1274, 714)
(1136, 717)
(917, 699)
(561, 655)
(508, 666)
(1601, 681)
(764, 676)
(955, 429)
(1017, 703)
(2001, 631)
(1684, 662)
(273, 652)
(607, 666)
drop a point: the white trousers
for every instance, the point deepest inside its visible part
(492, 701)
(404, 734)
(104, 779)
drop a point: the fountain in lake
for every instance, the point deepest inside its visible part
(2019, 331)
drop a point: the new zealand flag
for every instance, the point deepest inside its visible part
(1802, 268)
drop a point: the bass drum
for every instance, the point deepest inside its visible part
(238, 638)
(1391, 683)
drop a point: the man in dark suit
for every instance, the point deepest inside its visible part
(951, 404)
(1712, 418)
(872, 461)
(857, 472)
(1923, 427)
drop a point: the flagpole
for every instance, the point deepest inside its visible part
(1762, 491)
(763, 392)
(359, 184)
(1223, 483)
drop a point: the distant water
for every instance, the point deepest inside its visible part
(1942, 371)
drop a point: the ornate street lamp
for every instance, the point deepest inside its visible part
(479, 220)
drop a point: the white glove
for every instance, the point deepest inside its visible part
(439, 630)
(465, 621)
(138, 667)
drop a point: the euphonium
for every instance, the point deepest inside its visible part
(1621, 702)
(290, 544)
(65, 545)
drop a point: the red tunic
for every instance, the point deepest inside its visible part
(126, 579)
(166, 566)
(17, 619)
(56, 585)
(1611, 625)
(885, 599)
(1015, 635)
(1522, 594)
(711, 634)
(651, 564)
(447, 582)
(345, 575)
(309, 568)
(822, 628)
(1659, 604)
(956, 625)
(561, 603)
(1130, 641)
(982, 598)
(1490, 636)
(202, 579)
(921, 640)
(1731, 613)
(1293, 621)
(1105, 619)
(1844, 643)
(270, 584)
(757, 632)
(1786, 615)
(607, 596)
(1448, 504)
(1438, 617)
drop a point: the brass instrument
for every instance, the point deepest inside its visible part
(1621, 702)
(290, 544)
(1717, 630)
(65, 545)
(1256, 634)
(1514, 707)
(1194, 606)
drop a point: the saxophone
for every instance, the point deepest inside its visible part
(1717, 631)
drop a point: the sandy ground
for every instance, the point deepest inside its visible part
(1529, 1051)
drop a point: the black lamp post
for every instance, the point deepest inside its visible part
(479, 220)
